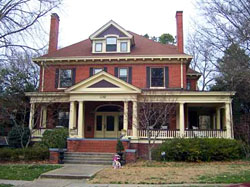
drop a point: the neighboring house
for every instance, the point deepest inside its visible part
(93, 88)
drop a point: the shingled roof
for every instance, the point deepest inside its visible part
(143, 46)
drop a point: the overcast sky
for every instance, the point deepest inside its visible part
(80, 18)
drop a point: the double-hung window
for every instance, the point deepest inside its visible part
(123, 74)
(65, 78)
(98, 47)
(111, 44)
(157, 77)
(124, 46)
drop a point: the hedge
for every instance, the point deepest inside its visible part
(26, 154)
(199, 149)
(56, 138)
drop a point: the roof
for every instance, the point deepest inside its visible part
(191, 71)
(143, 46)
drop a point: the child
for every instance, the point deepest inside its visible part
(116, 161)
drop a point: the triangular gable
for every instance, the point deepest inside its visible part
(112, 27)
(103, 82)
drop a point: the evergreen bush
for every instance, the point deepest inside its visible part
(56, 138)
(18, 136)
(199, 149)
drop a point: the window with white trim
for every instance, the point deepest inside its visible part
(98, 47)
(157, 77)
(123, 74)
(124, 47)
(97, 70)
(111, 44)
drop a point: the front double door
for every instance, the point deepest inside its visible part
(108, 124)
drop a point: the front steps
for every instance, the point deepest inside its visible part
(88, 158)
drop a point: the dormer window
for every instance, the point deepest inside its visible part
(124, 46)
(98, 47)
(111, 44)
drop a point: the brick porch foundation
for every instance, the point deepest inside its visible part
(94, 145)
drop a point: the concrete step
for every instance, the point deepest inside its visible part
(89, 154)
(86, 158)
(91, 162)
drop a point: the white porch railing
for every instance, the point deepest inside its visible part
(168, 134)
(37, 132)
(205, 133)
(162, 134)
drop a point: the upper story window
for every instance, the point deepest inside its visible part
(111, 44)
(97, 70)
(124, 46)
(123, 74)
(98, 47)
(65, 78)
(157, 77)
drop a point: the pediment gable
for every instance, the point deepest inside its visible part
(103, 82)
(111, 28)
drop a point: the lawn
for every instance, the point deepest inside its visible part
(24, 172)
(144, 172)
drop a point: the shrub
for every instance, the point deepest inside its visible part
(18, 136)
(26, 154)
(56, 138)
(199, 149)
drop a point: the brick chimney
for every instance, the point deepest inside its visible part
(54, 30)
(179, 24)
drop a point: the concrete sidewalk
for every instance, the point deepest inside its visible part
(74, 171)
(81, 183)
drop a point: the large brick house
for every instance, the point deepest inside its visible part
(93, 88)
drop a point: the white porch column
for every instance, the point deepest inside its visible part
(72, 115)
(218, 118)
(81, 119)
(181, 119)
(135, 120)
(32, 112)
(125, 116)
(43, 117)
(228, 120)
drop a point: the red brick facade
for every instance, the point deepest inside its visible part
(138, 73)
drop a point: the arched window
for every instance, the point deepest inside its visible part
(109, 108)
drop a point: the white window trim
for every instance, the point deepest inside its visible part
(119, 72)
(111, 36)
(101, 47)
(59, 79)
(163, 78)
(126, 46)
(102, 69)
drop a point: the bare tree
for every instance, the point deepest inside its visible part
(203, 60)
(20, 23)
(154, 117)
(225, 22)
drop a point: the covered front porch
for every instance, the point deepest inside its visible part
(111, 119)
(106, 107)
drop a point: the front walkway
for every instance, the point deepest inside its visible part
(74, 171)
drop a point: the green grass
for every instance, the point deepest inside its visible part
(6, 185)
(241, 177)
(24, 172)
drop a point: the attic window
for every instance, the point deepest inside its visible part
(111, 44)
